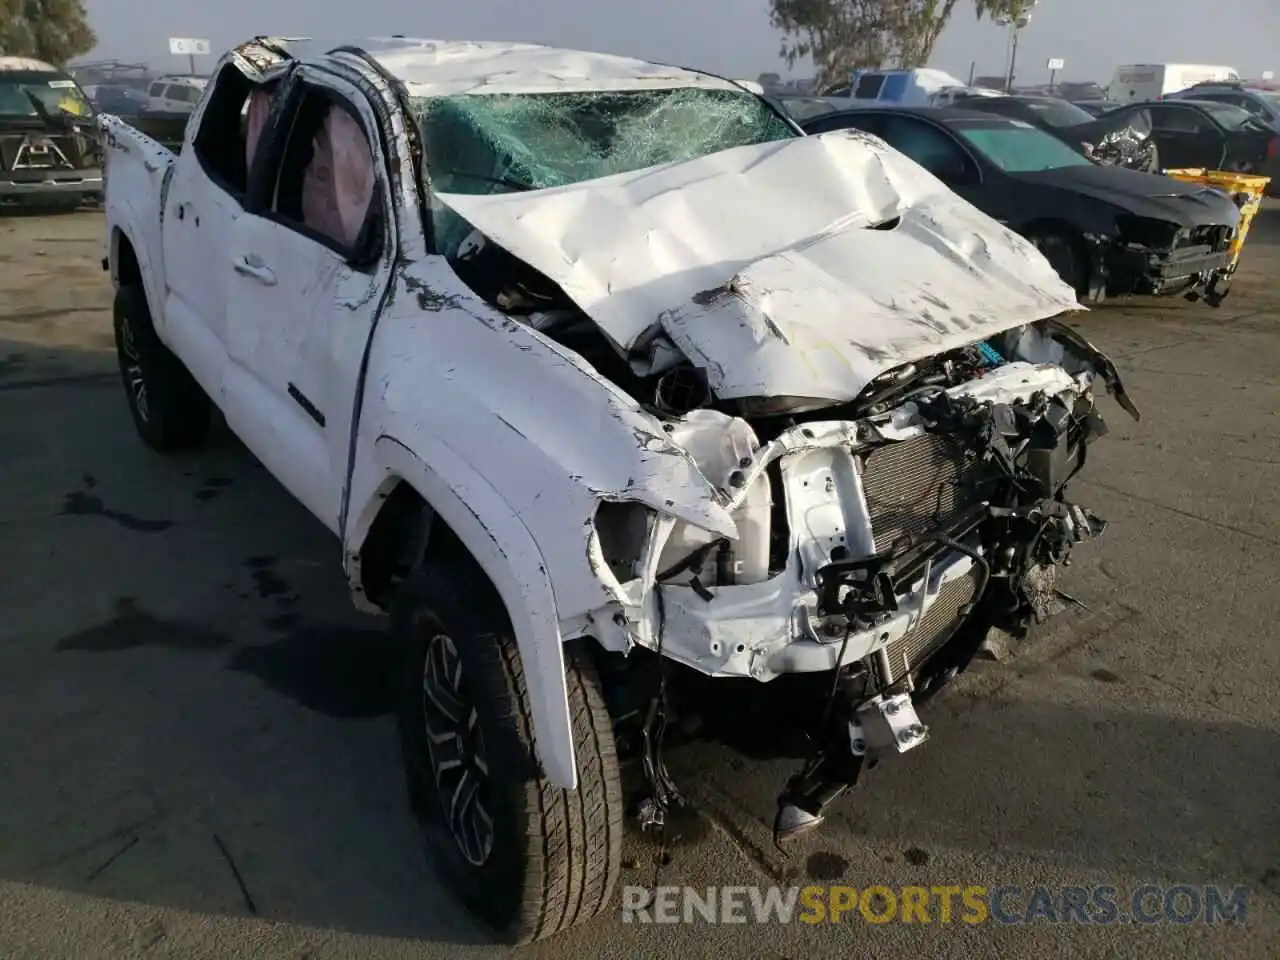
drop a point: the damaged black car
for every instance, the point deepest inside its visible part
(1108, 231)
(1118, 140)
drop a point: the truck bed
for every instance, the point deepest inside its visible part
(167, 129)
(135, 167)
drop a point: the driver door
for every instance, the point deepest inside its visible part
(1185, 137)
(309, 263)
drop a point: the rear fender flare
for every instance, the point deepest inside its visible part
(505, 550)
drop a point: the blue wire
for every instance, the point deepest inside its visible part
(990, 354)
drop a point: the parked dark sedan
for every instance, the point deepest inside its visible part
(1108, 231)
(1051, 113)
(118, 99)
(1217, 136)
(1110, 139)
(1097, 107)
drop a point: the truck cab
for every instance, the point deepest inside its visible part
(590, 365)
(918, 88)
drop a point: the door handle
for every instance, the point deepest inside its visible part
(250, 265)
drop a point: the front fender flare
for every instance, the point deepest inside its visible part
(502, 545)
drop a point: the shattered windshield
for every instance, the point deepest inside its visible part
(499, 143)
(27, 93)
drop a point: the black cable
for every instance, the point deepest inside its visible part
(979, 560)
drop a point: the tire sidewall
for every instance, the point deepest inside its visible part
(493, 890)
(132, 319)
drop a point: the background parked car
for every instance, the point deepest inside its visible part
(117, 99)
(49, 153)
(1111, 141)
(1262, 102)
(1108, 231)
(175, 94)
(1203, 133)
(1077, 91)
(1096, 107)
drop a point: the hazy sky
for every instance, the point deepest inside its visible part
(725, 36)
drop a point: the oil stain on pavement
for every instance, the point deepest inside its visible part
(85, 503)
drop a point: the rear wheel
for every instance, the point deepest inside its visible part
(528, 857)
(170, 411)
(1062, 250)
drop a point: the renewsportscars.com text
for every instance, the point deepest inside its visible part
(1096, 905)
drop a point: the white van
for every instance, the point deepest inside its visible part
(1153, 81)
(175, 94)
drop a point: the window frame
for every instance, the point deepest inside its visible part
(375, 237)
(215, 90)
(1169, 108)
(973, 168)
(846, 120)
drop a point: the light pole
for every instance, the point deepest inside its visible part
(1015, 22)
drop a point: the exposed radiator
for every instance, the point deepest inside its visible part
(940, 620)
(911, 486)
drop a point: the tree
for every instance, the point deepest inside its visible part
(49, 30)
(843, 35)
(1000, 9)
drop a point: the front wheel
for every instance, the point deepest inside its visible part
(528, 857)
(1063, 253)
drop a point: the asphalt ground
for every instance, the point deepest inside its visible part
(198, 759)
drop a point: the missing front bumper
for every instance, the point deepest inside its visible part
(1127, 271)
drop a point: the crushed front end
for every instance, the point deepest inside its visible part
(1154, 257)
(878, 544)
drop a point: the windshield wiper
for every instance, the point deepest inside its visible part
(497, 181)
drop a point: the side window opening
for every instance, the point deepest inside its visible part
(895, 87)
(227, 137)
(1179, 120)
(327, 184)
(868, 87)
(931, 148)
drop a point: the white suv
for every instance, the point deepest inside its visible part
(175, 94)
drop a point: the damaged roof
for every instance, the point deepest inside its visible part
(431, 68)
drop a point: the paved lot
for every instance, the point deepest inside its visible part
(198, 759)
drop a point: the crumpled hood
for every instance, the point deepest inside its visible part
(760, 263)
(1144, 194)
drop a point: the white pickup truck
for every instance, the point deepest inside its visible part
(616, 391)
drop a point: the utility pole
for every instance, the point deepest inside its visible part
(1013, 59)
(1015, 21)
